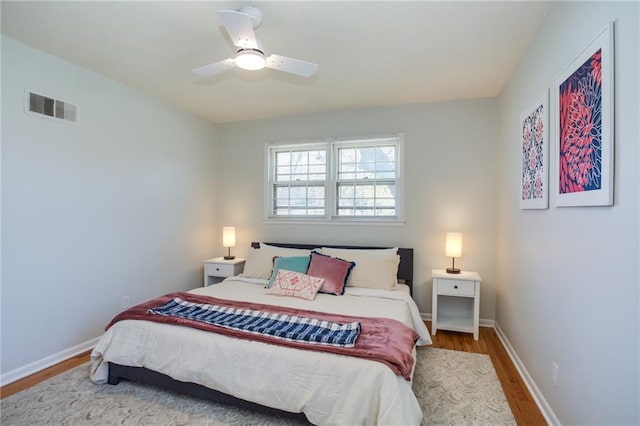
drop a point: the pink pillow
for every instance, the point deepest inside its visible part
(295, 284)
(335, 272)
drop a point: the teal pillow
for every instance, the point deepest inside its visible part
(294, 263)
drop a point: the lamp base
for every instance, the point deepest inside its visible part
(453, 271)
(229, 257)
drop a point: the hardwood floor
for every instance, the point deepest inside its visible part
(522, 404)
(43, 375)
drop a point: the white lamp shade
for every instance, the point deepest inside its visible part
(229, 236)
(453, 245)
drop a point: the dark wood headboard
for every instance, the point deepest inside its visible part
(405, 268)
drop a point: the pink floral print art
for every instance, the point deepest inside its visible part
(533, 144)
(580, 113)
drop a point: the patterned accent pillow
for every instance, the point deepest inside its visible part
(295, 284)
(293, 263)
(335, 272)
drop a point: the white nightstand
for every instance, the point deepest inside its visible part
(217, 269)
(446, 313)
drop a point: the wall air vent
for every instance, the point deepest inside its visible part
(44, 106)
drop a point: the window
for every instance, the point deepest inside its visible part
(355, 179)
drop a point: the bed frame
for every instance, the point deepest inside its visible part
(153, 378)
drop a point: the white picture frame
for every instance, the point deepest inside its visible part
(584, 124)
(534, 154)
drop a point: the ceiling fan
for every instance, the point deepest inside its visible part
(240, 26)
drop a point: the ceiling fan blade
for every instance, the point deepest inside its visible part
(239, 27)
(292, 66)
(215, 68)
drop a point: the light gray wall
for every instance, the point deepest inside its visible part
(122, 204)
(569, 277)
(450, 165)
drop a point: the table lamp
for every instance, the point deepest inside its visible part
(453, 249)
(229, 240)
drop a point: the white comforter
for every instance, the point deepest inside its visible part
(327, 388)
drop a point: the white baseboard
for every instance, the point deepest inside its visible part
(34, 367)
(542, 403)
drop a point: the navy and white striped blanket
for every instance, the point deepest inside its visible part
(280, 326)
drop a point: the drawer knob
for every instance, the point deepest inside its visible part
(217, 269)
(455, 286)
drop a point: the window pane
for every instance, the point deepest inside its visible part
(383, 166)
(366, 155)
(299, 200)
(385, 190)
(316, 192)
(300, 169)
(298, 192)
(346, 191)
(283, 158)
(295, 166)
(385, 202)
(318, 169)
(283, 170)
(385, 175)
(366, 199)
(364, 202)
(347, 167)
(386, 153)
(347, 155)
(318, 157)
(364, 191)
(299, 157)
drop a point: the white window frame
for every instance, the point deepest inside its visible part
(331, 146)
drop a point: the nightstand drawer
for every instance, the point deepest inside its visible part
(456, 287)
(220, 270)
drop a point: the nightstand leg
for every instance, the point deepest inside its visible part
(434, 309)
(476, 312)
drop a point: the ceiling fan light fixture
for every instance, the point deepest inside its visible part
(250, 59)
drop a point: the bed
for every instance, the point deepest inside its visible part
(322, 388)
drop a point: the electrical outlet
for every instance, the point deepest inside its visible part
(126, 302)
(554, 373)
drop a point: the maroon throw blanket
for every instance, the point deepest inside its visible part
(381, 339)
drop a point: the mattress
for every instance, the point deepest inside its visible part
(327, 388)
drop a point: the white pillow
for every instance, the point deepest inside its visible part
(259, 263)
(374, 268)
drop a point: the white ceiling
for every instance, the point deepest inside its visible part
(371, 53)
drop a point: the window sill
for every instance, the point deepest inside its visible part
(338, 222)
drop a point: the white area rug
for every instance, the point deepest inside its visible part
(453, 388)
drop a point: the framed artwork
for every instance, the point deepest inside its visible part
(534, 146)
(583, 150)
